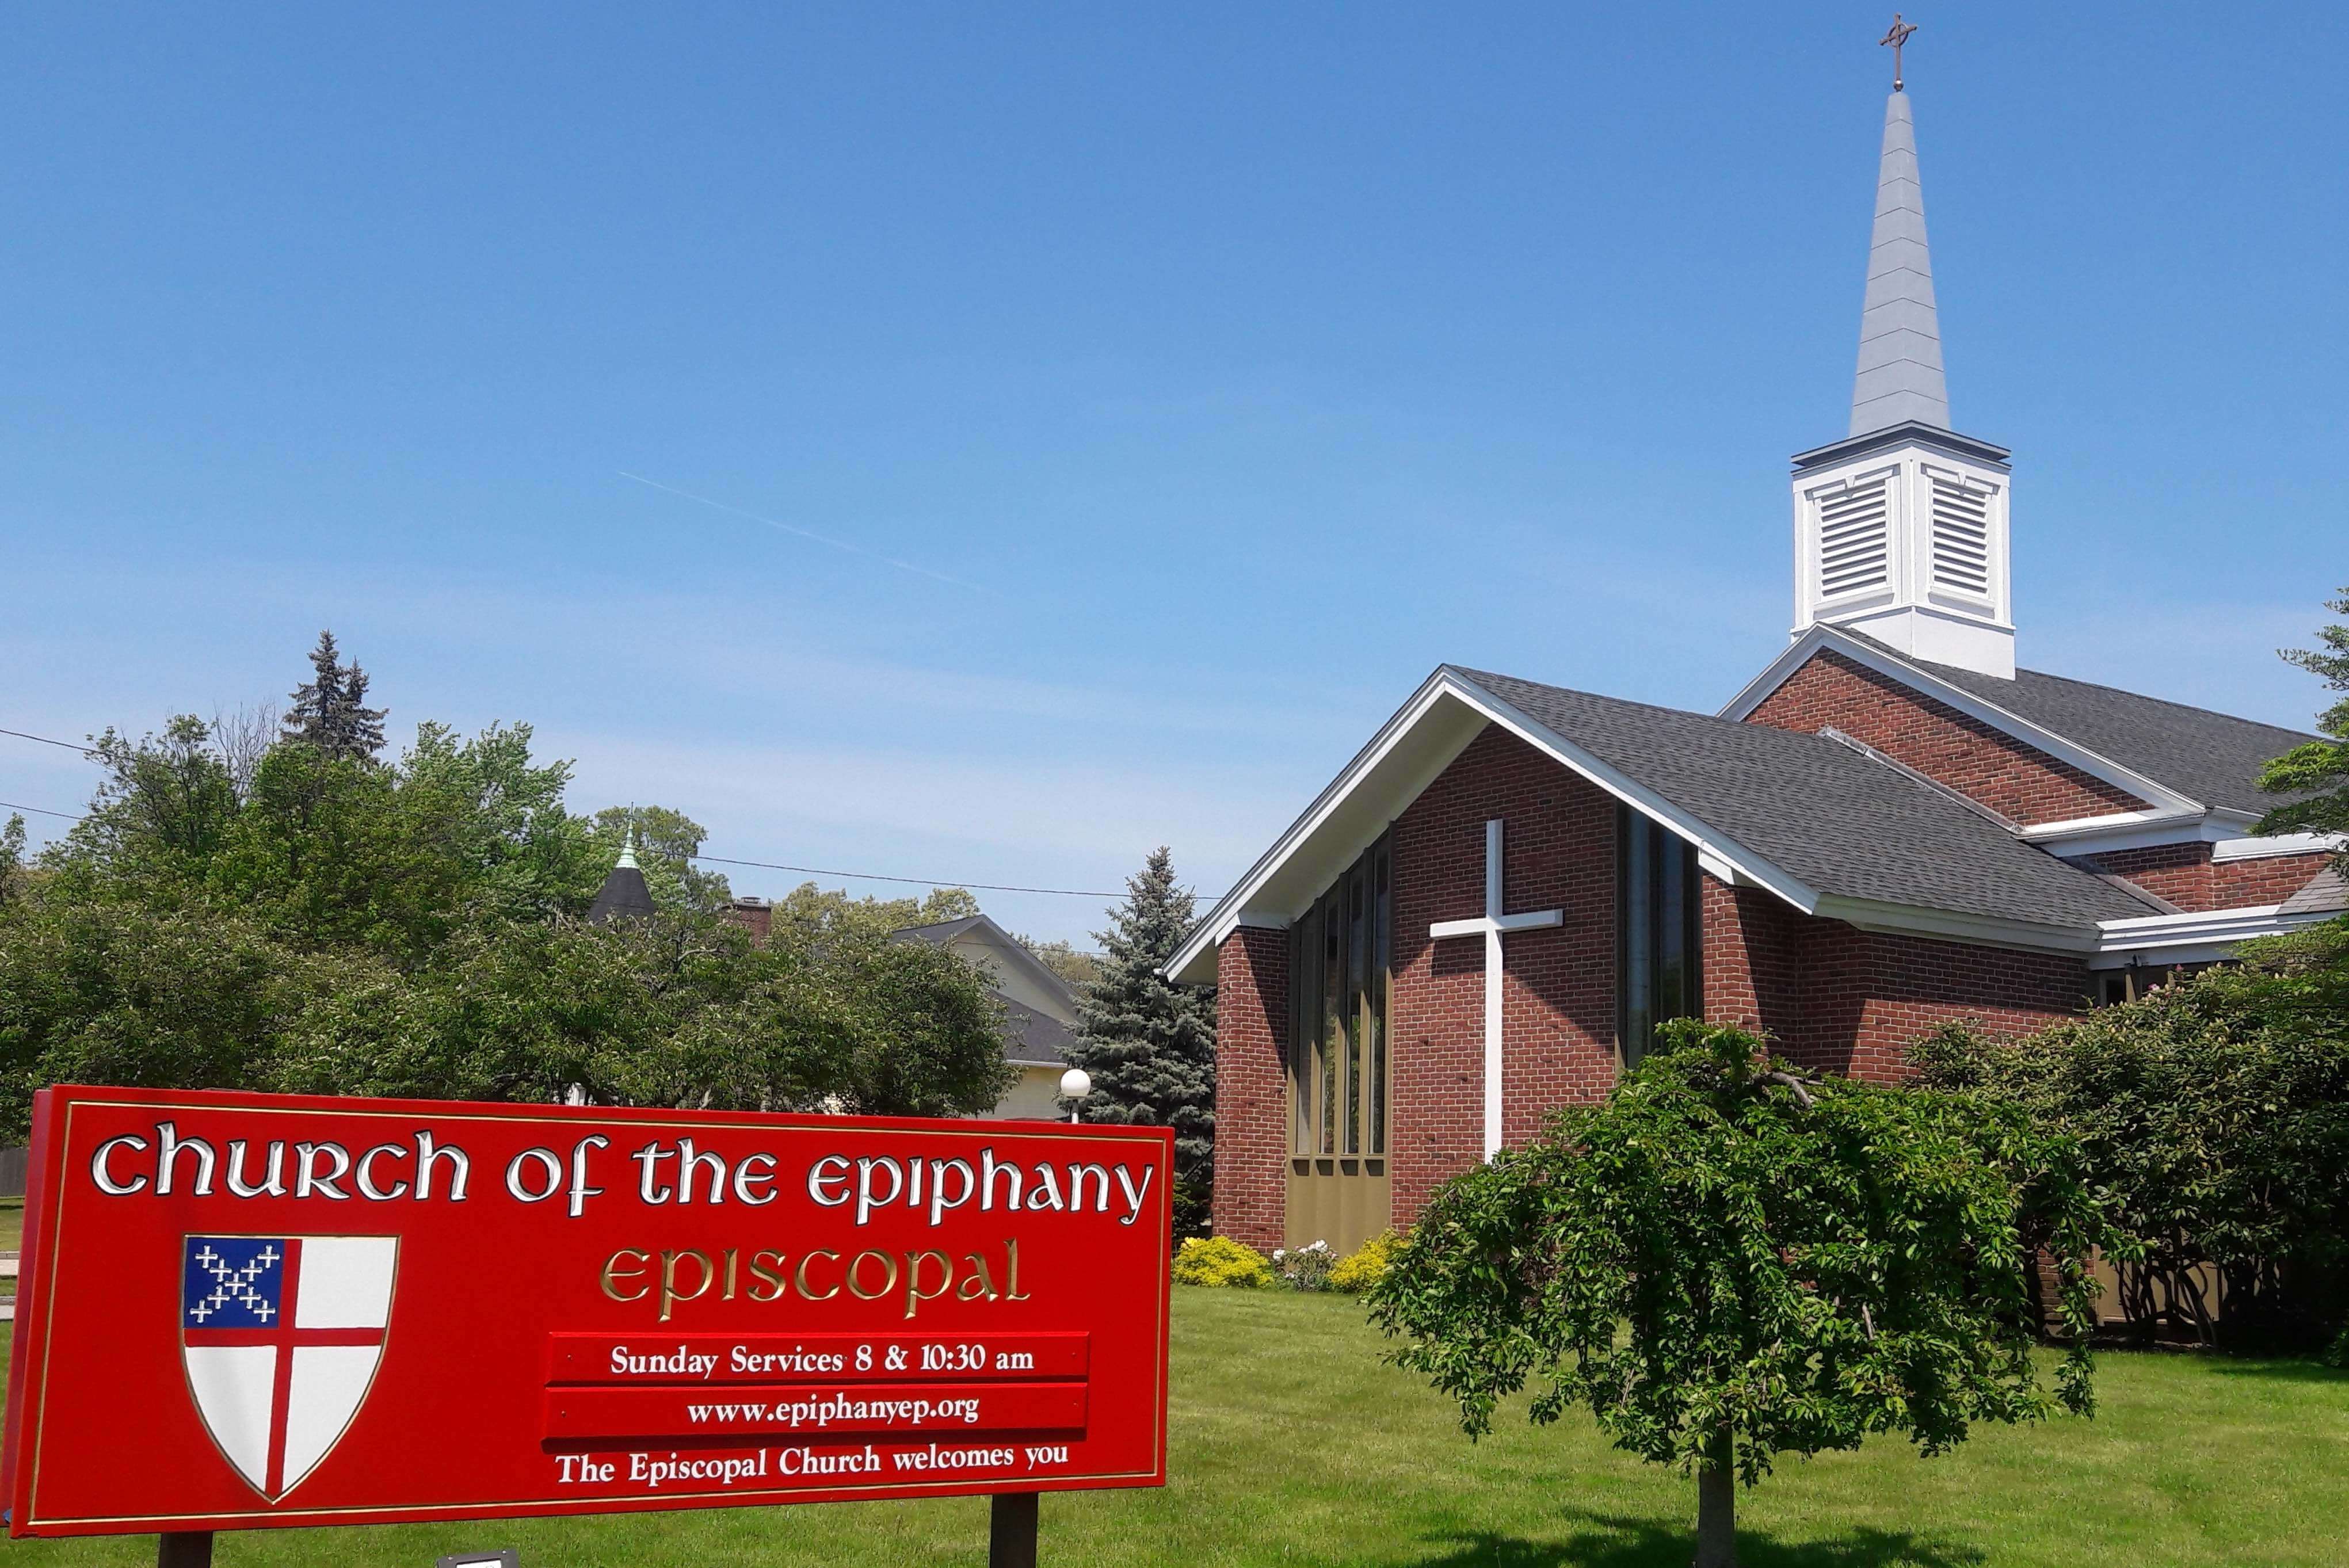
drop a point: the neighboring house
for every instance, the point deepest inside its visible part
(1039, 1007)
(1487, 913)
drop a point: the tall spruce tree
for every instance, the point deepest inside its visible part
(2317, 772)
(1149, 1044)
(330, 709)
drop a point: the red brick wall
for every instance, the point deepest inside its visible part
(755, 915)
(1252, 1086)
(1936, 739)
(1558, 999)
(2271, 879)
(2178, 872)
(2186, 875)
(1849, 1001)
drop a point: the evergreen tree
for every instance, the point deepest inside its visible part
(2317, 772)
(1148, 1043)
(330, 709)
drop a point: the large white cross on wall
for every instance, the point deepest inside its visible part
(1490, 926)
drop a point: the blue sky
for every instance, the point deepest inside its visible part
(1171, 387)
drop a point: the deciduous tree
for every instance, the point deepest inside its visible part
(1729, 1259)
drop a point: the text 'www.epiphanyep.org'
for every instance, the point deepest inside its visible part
(833, 1409)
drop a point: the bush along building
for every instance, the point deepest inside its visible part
(1891, 827)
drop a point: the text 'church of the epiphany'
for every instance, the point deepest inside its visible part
(1891, 827)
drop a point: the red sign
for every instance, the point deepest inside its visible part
(261, 1310)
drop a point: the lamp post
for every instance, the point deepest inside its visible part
(1075, 1084)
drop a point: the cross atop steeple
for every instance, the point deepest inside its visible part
(1898, 35)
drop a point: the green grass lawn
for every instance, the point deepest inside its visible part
(1292, 1443)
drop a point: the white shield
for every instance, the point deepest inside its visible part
(281, 1337)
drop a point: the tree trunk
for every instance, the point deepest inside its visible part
(1716, 1512)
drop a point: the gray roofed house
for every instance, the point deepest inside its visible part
(1040, 1009)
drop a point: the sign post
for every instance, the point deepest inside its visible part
(244, 1312)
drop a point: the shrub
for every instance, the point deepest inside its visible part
(1367, 1264)
(2216, 1112)
(1305, 1268)
(1223, 1262)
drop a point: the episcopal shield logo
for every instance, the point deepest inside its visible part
(281, 1336)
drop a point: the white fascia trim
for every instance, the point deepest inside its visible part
(2107, 822)
(2125, 831)
(1226, 917)
(2164, 799)
(2166, 935)
(2235, 848)
(1736, 863)
(1944, 926)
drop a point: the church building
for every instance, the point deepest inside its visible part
(1892, 826)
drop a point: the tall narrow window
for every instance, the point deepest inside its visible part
(1657, 940)
(1381, 955)
(1338, 1071)
(1333, 1021)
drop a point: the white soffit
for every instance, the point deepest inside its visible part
(2164, 799)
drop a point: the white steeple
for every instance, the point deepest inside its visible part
(1900, 374)
(1900, 528)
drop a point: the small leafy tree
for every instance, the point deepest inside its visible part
(1149, 1044)
(2317, 772)
(12, 856)
(1728, 1260)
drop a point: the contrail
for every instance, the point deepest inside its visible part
(804, 532)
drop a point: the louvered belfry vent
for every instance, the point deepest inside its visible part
(1853, 537)
(1961, 537)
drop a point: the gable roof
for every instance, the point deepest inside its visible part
(1828, 828)
(2184, 760)
(1005, 950)
(2215, 757)
(1033, 1039)
(1844, 824)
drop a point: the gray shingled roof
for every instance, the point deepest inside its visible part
(1821, 812)
(2324, 893)
(1031, 1038)
(2212, 757)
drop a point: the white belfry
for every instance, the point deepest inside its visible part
(1490, 925)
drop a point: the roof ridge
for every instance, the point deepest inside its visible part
(2148, 696)
(1618, 701)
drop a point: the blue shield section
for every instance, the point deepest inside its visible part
(231, 1282)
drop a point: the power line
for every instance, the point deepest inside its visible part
(70, 746)
(916, 881)
(41, 811)
(714, 859)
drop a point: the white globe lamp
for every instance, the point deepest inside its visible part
(1075, 1084)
